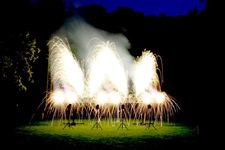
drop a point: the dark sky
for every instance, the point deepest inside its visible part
(148, 7)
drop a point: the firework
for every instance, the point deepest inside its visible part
(102, 79)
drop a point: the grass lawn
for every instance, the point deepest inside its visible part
(89, 135)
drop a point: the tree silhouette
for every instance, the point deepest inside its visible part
(17, 59)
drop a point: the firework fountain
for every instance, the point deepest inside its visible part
(104, 77)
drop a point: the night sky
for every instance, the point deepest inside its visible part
(147, 7)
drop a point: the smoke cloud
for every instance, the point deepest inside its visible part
(81, 38)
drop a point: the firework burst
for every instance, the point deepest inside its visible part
(102, 79)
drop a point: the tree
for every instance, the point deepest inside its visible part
(18, 54)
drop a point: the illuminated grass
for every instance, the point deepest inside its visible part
(43, 134)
